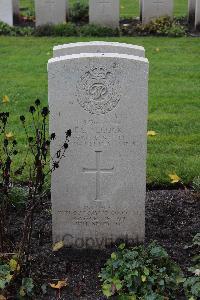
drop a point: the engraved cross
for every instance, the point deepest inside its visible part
(98, 172)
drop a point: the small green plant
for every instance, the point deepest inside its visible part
(37, 161)
(26, 287)
(196, 184)
(159, 27)
(68, 29)
(79, 12)
(18, 195)
(9, 270)
(141, 273)
(192, 283)
(44, 30)
(98, 31)
(5, 29)
(163, 26)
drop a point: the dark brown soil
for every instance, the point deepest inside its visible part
(172, 218)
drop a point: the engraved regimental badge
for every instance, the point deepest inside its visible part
(98, 90)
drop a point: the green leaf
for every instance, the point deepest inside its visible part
(196, 239)
(146, 271)
(158, 251)
(122, 246)
(126, 297)
(2, 284)
(153, 296)
(196, 258)
(106, 289)
(143, 278)
(135, 273)
(114, 256)
(22, 292)
(196, 289)
(4, 270)
(118, 284)
(180, 279)
(161, 282)
(27, 285)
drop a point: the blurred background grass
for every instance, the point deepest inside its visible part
(129, 8)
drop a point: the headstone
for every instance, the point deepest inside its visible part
(98, 47)
(6, 11)
(104, 12)
(98, 192)
(191, 11)
(197, 15)
(152, 9)
(50, 12)
(16, 9)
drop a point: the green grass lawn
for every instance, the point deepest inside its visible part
(174, 95)
(129, 8)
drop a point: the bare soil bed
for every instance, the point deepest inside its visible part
(172, 218)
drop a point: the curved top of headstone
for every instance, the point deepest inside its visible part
(98, 47)
(98, 55)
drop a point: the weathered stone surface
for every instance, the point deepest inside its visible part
(98, 192)
(6, 11)
(50, 11)
(191, 11)
(197, 15)
(152, 9)
(98, 47)
(104, 12)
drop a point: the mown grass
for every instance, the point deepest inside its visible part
(174, 96)
(129, 8)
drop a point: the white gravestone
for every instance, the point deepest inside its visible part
(50, 12)
(104, 12)
(98, 47)
(98, 192)
(191, 11)
(152, 9)
(6, 11)
(197, 15)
